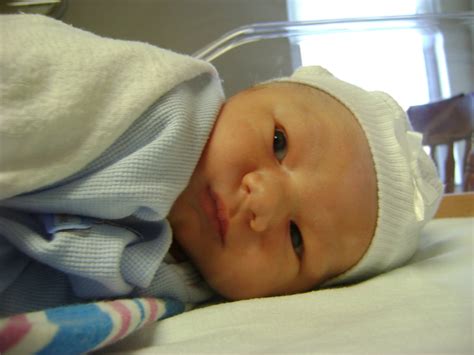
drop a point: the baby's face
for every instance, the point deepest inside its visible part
(284, 196)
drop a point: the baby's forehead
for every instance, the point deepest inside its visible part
(307, 105)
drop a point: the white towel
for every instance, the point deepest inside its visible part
(66, 95)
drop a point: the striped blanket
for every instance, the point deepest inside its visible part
(81, 328)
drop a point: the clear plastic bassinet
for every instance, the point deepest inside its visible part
(256, 52)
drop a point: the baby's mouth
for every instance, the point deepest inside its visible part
(220, 214)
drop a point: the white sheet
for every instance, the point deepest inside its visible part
(423, 307)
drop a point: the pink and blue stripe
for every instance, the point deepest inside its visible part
(81, 328)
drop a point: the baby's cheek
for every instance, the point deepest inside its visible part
(241, 278)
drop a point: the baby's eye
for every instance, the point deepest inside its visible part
(279, 144)
(296, 239)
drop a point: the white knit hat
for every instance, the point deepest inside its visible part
(409, 189)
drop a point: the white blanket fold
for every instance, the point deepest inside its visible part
(66, 95)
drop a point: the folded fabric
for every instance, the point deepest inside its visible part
(98, 136)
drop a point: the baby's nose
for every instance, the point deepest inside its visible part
(265, 199)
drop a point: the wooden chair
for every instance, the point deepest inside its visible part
(443, 123)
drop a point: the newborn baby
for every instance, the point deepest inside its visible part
(284, 196)
(300, 182)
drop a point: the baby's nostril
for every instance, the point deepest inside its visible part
(246, 187)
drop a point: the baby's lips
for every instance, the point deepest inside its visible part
(221, 215)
